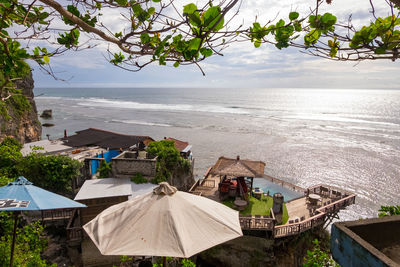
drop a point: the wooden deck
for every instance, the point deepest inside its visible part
(302, 214)
(207, 187)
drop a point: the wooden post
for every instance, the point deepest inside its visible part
(164, 261)
(251, 187)
(13, 240)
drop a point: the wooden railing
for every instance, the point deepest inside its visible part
(59, 214)
(318, 219)
(191, 190)
(51, 215)
(296, 228)
(284, 184)
(339, 197)
(257, 223)
(328, 191)
(202, 184)
(337, 205)
(208, 183)
(207, 172)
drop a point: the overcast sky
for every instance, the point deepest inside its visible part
(242, 65)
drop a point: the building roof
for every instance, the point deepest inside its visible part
(49, 147)
(104, 139)
(107, 187)
(180, 145)
(112, 187)
(238, 167)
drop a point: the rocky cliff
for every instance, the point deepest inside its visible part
(18, 117)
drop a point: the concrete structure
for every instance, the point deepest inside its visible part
(277, 207)
(99, 194)
(368, 242)
(47, 147)
(128, 164)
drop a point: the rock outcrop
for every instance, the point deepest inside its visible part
(182, 178)
(21, 124)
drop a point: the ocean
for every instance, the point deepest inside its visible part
(345, 138)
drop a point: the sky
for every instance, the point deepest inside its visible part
(241, 65)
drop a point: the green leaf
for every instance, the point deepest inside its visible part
(151, 10)
(293, 15)
(176, 64)
(156, 1)
(46, 59)
(257, 43)
(312, 37)
(297, 26)
(194, 44)
(74, 10)
(211, 16)
(280, 23)
(189, 9)
(122, 2)
(206, 52)
(144, 38)
(195, 19)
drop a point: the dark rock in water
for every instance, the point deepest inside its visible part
(47, 114)
(48, 124)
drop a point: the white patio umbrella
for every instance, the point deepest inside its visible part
(165, 222)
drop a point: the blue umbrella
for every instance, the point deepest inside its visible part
(22, 195)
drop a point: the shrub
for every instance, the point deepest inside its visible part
(389, 211)
(53, 173)
(139, 179)
(105, 169)
(318, 257)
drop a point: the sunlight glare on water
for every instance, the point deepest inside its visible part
(345, 138)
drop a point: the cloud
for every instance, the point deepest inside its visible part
(242, 65)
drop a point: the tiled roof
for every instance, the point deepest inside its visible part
(104, 139)
(180, 145)
(238, 167)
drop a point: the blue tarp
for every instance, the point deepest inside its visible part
(23, 195)
(95, 164)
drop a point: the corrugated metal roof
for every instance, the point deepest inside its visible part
(104, 139)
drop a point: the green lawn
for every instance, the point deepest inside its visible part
(258, 207)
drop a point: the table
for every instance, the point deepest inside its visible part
(314, 198)
(240, 204)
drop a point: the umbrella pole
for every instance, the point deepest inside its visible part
(14, 235)
(164, 261)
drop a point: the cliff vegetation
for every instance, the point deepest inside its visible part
(18, 113)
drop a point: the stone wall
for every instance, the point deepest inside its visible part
(124, 166)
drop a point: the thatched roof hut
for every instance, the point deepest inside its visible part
(238, 167)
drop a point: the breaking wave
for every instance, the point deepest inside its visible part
(107, 103)
(142, 123)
